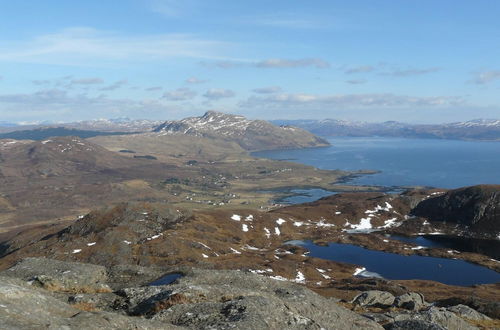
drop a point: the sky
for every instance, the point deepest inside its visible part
(420, 61)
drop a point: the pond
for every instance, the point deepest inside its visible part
(398, 267)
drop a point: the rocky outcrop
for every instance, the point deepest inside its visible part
(62, 276)
(374, 298)
(202, 299)
(476, 207)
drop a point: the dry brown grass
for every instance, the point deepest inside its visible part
(84, 306)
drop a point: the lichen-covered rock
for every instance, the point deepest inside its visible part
(468, 313)
(62, 276)
(23, 306)
(374, 298)
(413, 325)
(411, 301)
(208, 299)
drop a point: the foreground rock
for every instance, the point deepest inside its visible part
(202, 299)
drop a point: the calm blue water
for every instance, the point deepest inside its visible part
(395, 266)
(405, 162)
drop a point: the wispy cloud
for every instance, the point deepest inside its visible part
(376, 101)
(486, 77)
(360, 69)
(267, 90)
(116, 85)
(218, 93)
(60, 104)
(180, 94)
(87, 46)
(153, 89)
(410, 72)
(87, 81)
(194, 80)
(271, 63)
(356, 81)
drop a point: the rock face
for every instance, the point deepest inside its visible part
(249, 134)
(374, 298)
(477, 207)
(58, 275)
(202, 299)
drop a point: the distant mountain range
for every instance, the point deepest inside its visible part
(479, 129)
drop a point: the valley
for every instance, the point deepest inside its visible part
(189, 195)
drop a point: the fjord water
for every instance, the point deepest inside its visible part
(396, 266)
(404, 162)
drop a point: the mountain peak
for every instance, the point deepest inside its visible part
(249, 134)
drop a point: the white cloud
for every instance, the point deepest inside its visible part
(218, 93)
(180, 94)
(194, 80)
(486, 77)
(267, 90)
(59, 104)
(271, 63)
(87, 46)
(376, 101)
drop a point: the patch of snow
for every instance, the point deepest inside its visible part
(298, 223)
(418, 247)
(390, 223)
(235, 251)
(244, 227)
(154, 237)
(386, 241)
(322, 223)
(204, 255)
(90, 244)
(278, 278)
(249, 218)
(358, 271)
(268, 233)
(426, 223)
(338, 212)
(236, 217)
(300, 278)
(77, 251)
(280, 221)
(364, 224)
(127, 242)
(204, 245)
(277, 231)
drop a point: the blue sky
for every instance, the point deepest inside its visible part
(421, 61)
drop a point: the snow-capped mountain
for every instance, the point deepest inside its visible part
(478, 129)
(249, 134)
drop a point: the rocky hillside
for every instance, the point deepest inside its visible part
(476, 207)
(249, 134)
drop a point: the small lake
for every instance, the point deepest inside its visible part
(404, 162)
(487, 247)
(398, 267)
